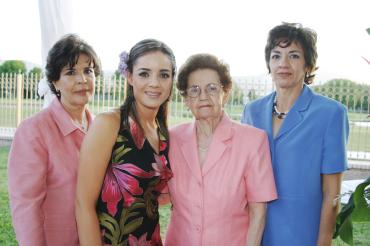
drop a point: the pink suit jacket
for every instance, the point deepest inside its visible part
(210, 203)
(42, 172)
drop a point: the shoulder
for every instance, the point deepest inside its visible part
(105, 126)
(258, 103)
(328, 105)
(104, 129)
(33, 133)
(36, 121)
(252, 132)
(107, 120)
(180, 130)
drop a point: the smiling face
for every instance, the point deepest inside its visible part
(287, 66)
(208, 104)
(151, 80)
(76, 84)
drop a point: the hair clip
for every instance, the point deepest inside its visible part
(123, 60)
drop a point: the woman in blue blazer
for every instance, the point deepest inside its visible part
(307, 134)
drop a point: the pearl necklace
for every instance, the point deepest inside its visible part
(276, 112)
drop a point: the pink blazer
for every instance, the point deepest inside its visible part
(210, 203)
(42, 172)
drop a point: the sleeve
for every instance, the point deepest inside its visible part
(335, 141)
(260, 182)
(27, 167)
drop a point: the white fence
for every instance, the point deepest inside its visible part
(19, 100)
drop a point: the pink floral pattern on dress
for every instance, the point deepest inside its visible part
(162, 171)
(156, 236)
(134, 241)
(127, 207)
(137, 134)
(118, 185)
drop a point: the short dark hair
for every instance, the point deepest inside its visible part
(285, 34)
(203, 61)
(128, 108)
(65, 52)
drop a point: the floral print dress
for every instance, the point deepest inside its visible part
(127, 206)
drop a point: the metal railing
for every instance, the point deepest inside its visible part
(19, 100)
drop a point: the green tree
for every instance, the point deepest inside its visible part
(35, 71)
(117, 74)
(351, 94)
(237, 95)
(13, 66)
(252, 95)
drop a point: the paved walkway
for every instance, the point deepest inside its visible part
(354, 173)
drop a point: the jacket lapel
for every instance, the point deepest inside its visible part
(295, 115)
(218, 146)
(263, 118)
(189, 151)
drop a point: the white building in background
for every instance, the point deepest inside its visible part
(254, 86)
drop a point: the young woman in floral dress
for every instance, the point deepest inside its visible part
(123, 165)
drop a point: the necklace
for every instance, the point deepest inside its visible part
(276, 112)
(202, 149)
(83, 125)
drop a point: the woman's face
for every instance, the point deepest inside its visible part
(151, 80)
(76, 84)
(209, 101)
(287, 66)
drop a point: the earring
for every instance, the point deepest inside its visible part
(57, 93)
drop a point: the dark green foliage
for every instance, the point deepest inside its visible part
(356, 210)
(351, 94)
(36, 71)
(13, 66)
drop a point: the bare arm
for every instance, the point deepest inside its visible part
(257, 215)
(331, 189)
(94, 158)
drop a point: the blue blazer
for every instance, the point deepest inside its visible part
(311, 141)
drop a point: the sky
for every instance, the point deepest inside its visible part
(235, 31)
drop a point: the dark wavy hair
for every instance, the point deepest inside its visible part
(128, 108)
(203, 61)
(285, 34)
(66, 52)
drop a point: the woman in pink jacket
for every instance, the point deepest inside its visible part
(44, 156)
(222, 174)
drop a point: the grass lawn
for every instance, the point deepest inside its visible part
(7, 237)
(359, 139)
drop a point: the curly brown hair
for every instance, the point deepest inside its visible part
(65, 52)
(285, 34)
(203, 61)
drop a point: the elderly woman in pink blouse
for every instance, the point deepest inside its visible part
(222, 174)
(43, 160)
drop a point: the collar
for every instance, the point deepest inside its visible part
(222, 132)
(295, 114)
(62, 118)
(224, 129)
(304, 99)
